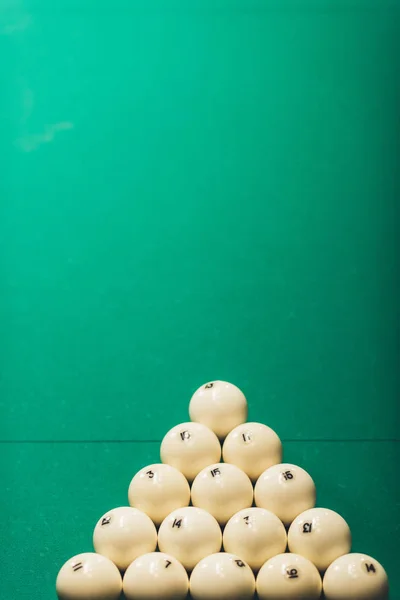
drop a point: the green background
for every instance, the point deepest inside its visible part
(189, 191)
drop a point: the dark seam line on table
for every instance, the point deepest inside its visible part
(80, 441)
(341, 440)
(287, 440)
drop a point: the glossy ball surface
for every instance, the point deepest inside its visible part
(157, 490)
(286, 490)
(288, 577)
(255, 535)
(253, 447)
(189, 447)
(219, 405)
(222, 576)
(321, 535)
(89, 576)
(356, 577)
(154, 576)
(190, 534)
(123, 534)
(222, 490)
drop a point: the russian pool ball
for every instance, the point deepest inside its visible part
(222, 576)
(321, 535)
(154, 576)
(253, 447)
(355, 577)
(288, 576)
(286, 490)
(89, 576)
(255, 535)
(189, 447)
(190, 534)
(157, 490)
(222, 490)
(219, 405)
(123, 534)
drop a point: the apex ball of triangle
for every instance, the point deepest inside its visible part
(219, 405)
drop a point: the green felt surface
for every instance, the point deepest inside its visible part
(192, 191)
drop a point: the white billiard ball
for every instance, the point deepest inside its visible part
(288, 576)
(253, 447)
(154, 576)
(189, 534)
(189, 447)
(355, 577)
(219, 405)
(222, 490)
(286, 490)
(222, 576)
(89, 576)
(321, 535)
(255, 535)
(157, 490)
(123, 534)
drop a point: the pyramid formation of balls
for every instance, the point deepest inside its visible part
(221, 517)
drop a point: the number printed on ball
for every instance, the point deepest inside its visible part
(292, 572)
(288, 475)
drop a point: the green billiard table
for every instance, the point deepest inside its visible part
(193, 191)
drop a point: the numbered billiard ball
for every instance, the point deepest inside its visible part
(189, 534)
(189, 447)
(222, 490)
(253, 447)
(321, 535)
(123, 534)
(288, 577)
(219, 405)
(355, 577)
(255, 535)
(154, 576)
(89, 576)
(157, 490)
(222, 576)
(286, 490)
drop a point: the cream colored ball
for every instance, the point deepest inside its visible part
(321, 535)
(223, 576)
(222, 490)
(190, 534)
(356, 577)
(219, 405)
(123, 534)
(286, 490)
(253, 447)
(255, 535)
(89, 576)
(189, 447)
(288, 577)
(157, 490)
(154, 576)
